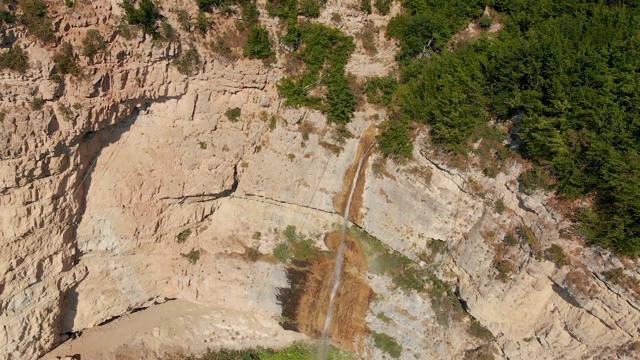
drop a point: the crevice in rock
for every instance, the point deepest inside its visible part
(265, 199)
(201, 198)
(565, 294)
(447, 171)
(613, 290)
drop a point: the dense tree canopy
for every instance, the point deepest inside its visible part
(566, 72)
(325, 52)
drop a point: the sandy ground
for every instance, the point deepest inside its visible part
(173, 327)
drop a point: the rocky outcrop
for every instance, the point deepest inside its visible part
(112, 179)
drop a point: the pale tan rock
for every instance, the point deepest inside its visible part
(90, 207)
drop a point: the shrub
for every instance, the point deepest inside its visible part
(145, 15)
(341, 102)
(36, 19)
(184, 19)
(381, 90)
(365, 6)
(534, 179)
(233, 114)
(478, 330)
(15, 59)
(368, 38)
(93, 43)
(182, 237)
(66, 112)
(7, 17)
(208, 5)
(556, 254)
(309, 8)
(202, 23)
(387, 344)
(504, 267)
(193, 256)
(485, 21)
(282, 252)
(220, 47)
(500, 206)
(188, 62)
(66, 61)
(395, 142)
(290, 233)
(284, 9)
(250, 13)
(510, 239)
(258, 44)
(383, 6)
(168, 32)
(37, 103)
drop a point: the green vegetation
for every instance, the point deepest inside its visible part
(500, 206)
(66, 112)
(34, 16)
(296, 247)
(365, 6)
(15, 59)
(208, 5)
(184, 234)
(193, 256)
(325, 53)
(7, 17)
(556, 254)
(368, 36)
(37, 103)
(66, 60)
(476, 329)
(384, 318)
(184, 20)
(309, 8)
(405, 274)
(233, 114)
(298, 351)
(536, 178)
(258, 43)
(93, 43)
(146, 15)
(395, 141)
(381, 90)
(562, 72)
(387, 344)
(504, 267)
(188, 62)
(202, 23)
(485, 21)
(168, 32)
(510, 240)
(383, 6)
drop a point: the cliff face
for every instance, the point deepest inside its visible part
(100, 206)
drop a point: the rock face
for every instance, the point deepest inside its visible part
(126, 173)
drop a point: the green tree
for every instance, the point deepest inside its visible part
(146, 15)
(15, 59)
(258, 44)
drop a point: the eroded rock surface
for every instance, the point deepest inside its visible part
(100, 207)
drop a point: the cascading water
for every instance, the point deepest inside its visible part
(337, 269)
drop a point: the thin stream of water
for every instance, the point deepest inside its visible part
(337, 269)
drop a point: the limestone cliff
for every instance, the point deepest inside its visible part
(120, 172)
